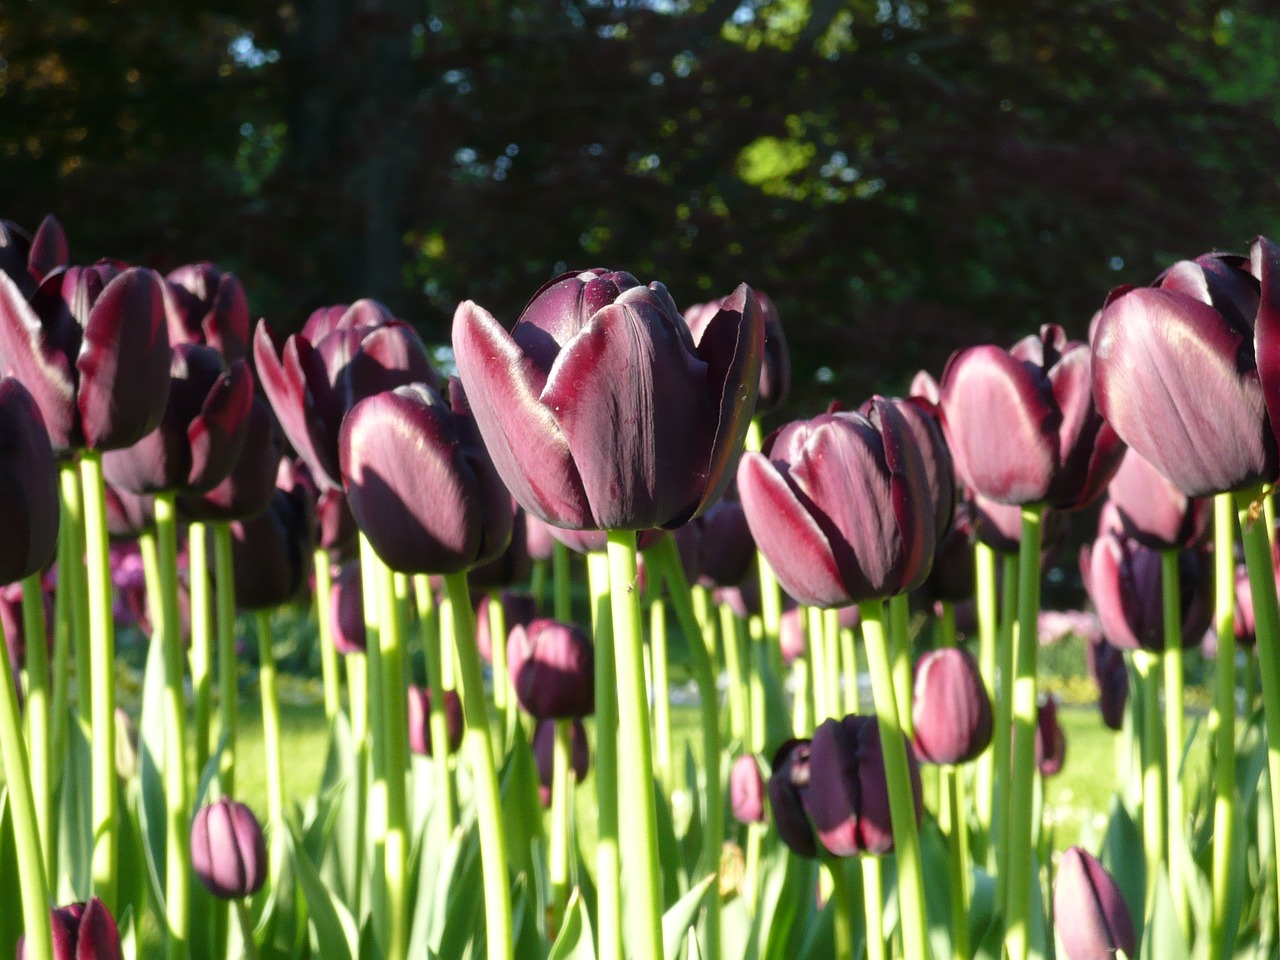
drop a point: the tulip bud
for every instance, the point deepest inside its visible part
(206, 306)
(544, 746)
(1051, 742)
(82, 931)
(539, 541)
(228, 852)
(420, 720)
(271, 553)
(517, 609)
(951, 711)
(788, 788)
(28, 260)
(1111, 674)
(346, 610)
(1089, 911)
(746, 790)
(29, 499)
(246, 490)
(552, 667)
(775, 368)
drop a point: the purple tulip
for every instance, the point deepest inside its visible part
(207, 306)
(580, 403)
(92, 348)
(950, 708)
(721, 543)
(924, 419)
(28, 260)
(343, 355)
(1111, 674)
(1175, 373)
(552, 667)
(775, 366)
(420, 720)
(28, 485)
(793, 634)
(517, 609)
(228, 852)
(544, 745)
(951, 577)
(129, 515)
(510, 567)
(346, 610)
(1154, 511)
(597, 541)
(1089, 911)
(539, 541)
(338, 532)
(848, 795)
(746, 790)
(82, 931)
(924, 385)
(1051, 741)
(788, 790)
(247, 489)
(840, 507)
(271, 552)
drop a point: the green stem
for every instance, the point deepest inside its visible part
(270, 721)
(947, 625)
(984, 774)
(358, 694)
(201, 640)
(1003, 735)
(375, 820)
(842, 917)
(1175, 736)
(493, 843)
(662, 693)
(36, 642)
(246, 930)
(751, 872)
(62, 640)
(902, 808)
(76, 578)
(818, 651)
(429, 636)
(33, 889)
(1225, 719)
(561, 597)
(756, 667)
(1019, 854)
(1153, 772)
(503, 693)
(873, 908)
(1257, 551)
(538, 585)
(849, 668)
(802, 691)
(738, 722)
(831, 639)
(324, 627)
(102, 680)
(396, 758)
(608, 859)
(561, 822)
(900, 644)
(224, 591)
(951, 818)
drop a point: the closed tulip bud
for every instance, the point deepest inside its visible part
(1022, 425)
(840, 507)
(420, 483)
(28, 260)
(848, 796)
(775, 368)
(578, 402)
(420, 720)
(517, 609)
(544, 746)
(1155, 512)
(746, 790)
(510, 567)
(1051, 741)
(1111, 674)
(228, 852)
(82, 931)
(1089, 911)
(552, 668)
(788, 789)
(28, 486)
(726, 552)
(950, 709)
(271, 552)
(204, 305)
(346, 610)
(246, 490)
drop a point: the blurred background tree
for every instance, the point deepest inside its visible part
(902, 177)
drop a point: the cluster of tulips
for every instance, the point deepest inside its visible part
(162, 462)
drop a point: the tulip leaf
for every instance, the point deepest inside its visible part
(210, 771)
(819, 941)
(1117, 856)
(133, 877)
(574, 941)
(340, 782)
(937, 887)
(1162, 939)
(682, 915)
(459, 896)
(333, 923)
(521, 808)
(75, 828)
(529, 942)
(735, 929)
(691, 842)
(983, 922)
(151, 736)
(670, 856)
(10, 920)
(127, 926)
(788, 881)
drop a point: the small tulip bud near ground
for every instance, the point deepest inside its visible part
(228, 852)
(950, 710)
(746, 790)
(1051, 741)
(1089, 912)
(82, 931)
(552, 667)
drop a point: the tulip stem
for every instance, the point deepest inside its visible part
(538, 585)
(951, 818)
(902, 802)
(662, 692)
(738, 720)
(608, 860)
(376, 799)
(224, 591)
(396, 758)
(900, 643)
(493, 843)
(429, 635)
(831, 636)
(1153, 773)
(324, 634)
(848, 667)
(62, 639)
(1258, 558)
(32, 883)
(101, 679)
(1018, 856)
(502, 691)
(246, 930)
(270, 722)
(201, 639)
(37, 649)
(75, 577)
(1225, 730)
(873, 907)
(984, 774)
(1003, 735)
(842, 916)
(561, 822)
(1175, 736)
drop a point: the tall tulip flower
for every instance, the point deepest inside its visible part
(775, 366)
(82, 931)
(1153, 510)
(29, 259)
(207, 306)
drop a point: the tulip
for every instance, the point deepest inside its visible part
(1155, 512)
(93, 349)
(29, 481)
(950, 708)
(840, 507)
(924, 385)
(552, 667)
(924, 419)
(420, 720)
(129, 515)
(539, 541)
(576, 403)
(544, 742)
(951, 577)
(228, 852)
(346, 610)
(271, 552)
(1111, 674)
(82, 931)
(788, 789)
(746, 790)
(1022, 425)
(1051, 742)
(15, 627)
(28, 260)
(726, 552)
(420, 484)
(775, 366)
(1089, 911)
(247, 489)
(207, 306)
(342, 355)
(510, 567)
(338, 532)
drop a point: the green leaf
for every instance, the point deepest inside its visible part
(151, 737)
(333, 923)
(785, 895)
(1163, 938)
(682, 915)
(937, 887)
(10, 920)
(691, 842)
(460, 900)
(341, 783)
(1121, 856)
(983, 921)
(574, 941)
(75, 818)
(670, 856)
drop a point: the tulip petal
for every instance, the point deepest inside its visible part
(217, 435)
(28, 354)
(48, 249)
(528, 447)
(790, 538)
(28, 485)
(497, 516)
(1090, 913)
(1265, 264)
(908, 483)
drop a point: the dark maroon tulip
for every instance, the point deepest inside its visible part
(420, 483)
(82, 931)
(775, 367)
(343, 355)
(544, 746)
(201, 434)
(793, 634)
(1154, 511)
(999, 525)
(28, 260)
(228, 852)
(346, 610)
(338, 532)
(601, 410)
(420, 720)
(924, 385)
(510, 567)
(28, 485)
(271, 552)
(951, 577)
(539, 541)
(1022, 425)
(1051, 742)
(1089, 911)
(1175, 374)
(1123, 581)
(552, 668)
(247, 489)
(925, 422)
(746, 790)
(848, 796)
(517, 609)
(950, 708)
(1246, 628)
(788, 790)
(725, 550)
(207, 306)
(92, 348)
(1111, 674)
(840, 507)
